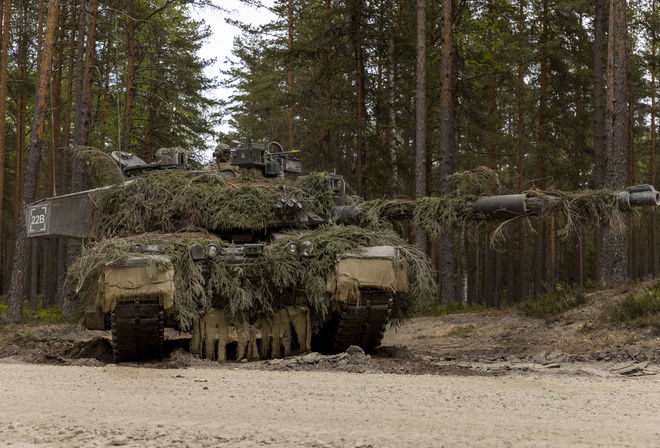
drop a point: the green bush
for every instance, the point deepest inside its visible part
(641, 310)
(550, 306)
(49, 315)
(41, 316)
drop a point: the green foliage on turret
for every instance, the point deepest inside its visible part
(169, 200)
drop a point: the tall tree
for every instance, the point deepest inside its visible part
(540, 236)
(520, 92)
(66, 153)
(391, 95)
(654, 214)
(290, 28)
(4, 75)
(447, 147)
(19, 270)
(420, 117)
(82, 115)
(130, 75)
(614, 249)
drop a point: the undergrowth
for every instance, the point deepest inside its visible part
(452, 308)
(42, 316)
(551, 305)
(638, 310)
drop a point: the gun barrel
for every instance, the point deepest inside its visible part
(639, 196)
(510, 206)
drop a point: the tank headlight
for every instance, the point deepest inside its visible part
(136, 248)
(307, 249)
(212, 251)
(291, 248)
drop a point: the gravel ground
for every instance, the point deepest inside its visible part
(67, 406)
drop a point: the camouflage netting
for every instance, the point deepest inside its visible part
(272, 282)
(154, 208)
(438, 214)
(164, 201)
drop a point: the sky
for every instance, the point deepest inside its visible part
(220, 44)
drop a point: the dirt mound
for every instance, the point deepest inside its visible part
(56, 350)
(488, 342)
(98, 348)
(507, 339)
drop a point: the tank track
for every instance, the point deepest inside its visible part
(364, 323)
(137, 331)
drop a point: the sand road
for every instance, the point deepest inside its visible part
(42, 405)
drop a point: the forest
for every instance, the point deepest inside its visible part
(401, 97)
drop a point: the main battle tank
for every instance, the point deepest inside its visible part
(255, 264)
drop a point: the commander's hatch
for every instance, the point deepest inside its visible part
(131, 165)
(126, 159)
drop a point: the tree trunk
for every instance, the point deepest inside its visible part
(149, 126)
(19, 269)
(491, 105)
(613, 250)
(130, 76)
(599, 89)
(522, 290)
(290, 70)
(33, 294)
(81, 124)
(420, 118)
(654, 242)
(359, 95)
(539, 246)
(599, 122)
(463, 277)
(64, 170)
(633, 259)
(4, 74)
(104, 114)
(21, 119)
(391, 115)
(447, 150)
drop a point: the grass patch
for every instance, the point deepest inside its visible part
(587, 329)
(451, 308)
(461, 331)
(638, 310)
(550, 306)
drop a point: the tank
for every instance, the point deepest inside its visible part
(253, 258)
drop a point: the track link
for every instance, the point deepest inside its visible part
(137, 331)
(364, 323)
